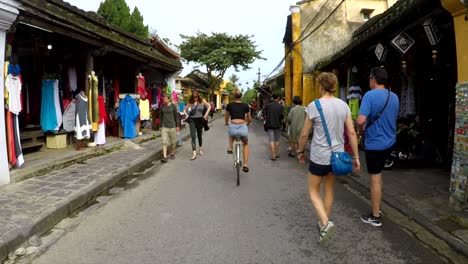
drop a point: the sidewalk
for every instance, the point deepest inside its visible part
(422, 196)
(35, 205)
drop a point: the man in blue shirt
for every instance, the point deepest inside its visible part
(380, 129)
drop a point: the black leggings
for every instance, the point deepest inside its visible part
(196, 128)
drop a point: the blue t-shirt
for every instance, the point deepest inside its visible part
(382, 134)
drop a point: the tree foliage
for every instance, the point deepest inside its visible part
(117, 13)
(249, 96)
(218, 52)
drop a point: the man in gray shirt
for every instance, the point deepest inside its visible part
(169, 119)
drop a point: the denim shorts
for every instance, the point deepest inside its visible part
(238, 130)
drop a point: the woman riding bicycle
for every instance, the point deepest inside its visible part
(239, 113)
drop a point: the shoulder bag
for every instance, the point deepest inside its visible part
(341, 162)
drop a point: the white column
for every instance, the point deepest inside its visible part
(8, 13)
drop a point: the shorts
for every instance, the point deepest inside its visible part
(169, 136)
(274, 134)
(375, 160)
(238, 130)
(318, 169)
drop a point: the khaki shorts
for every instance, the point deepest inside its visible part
(169, 136)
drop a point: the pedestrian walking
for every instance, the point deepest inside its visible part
(295, 122)
(377, 121)
(196, 120)
(337, 117)
(239, 114)
(169, 126)
(273, 124)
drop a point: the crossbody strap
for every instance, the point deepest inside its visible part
(372, 121)
(319, 108)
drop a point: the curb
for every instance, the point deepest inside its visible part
(50, 218)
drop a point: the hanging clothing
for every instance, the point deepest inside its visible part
(93, 101)
(154, 97)
(407, 107)
(72, 79)
(10, 138)
(100, 135)
(48, 114)
(175, 97)
(116, 92)
(58, 106)
(144, 109)
(355, 92)
(13, 87)
(141, 87)
(354, 107)
(17, 142)
(128, 113)
(82, 122)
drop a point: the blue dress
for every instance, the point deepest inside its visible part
(128, 113)
(48, 114)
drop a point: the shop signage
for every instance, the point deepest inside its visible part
(403, 42)
(380, 52)
(432, 31)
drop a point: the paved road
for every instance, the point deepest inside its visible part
(192, 212)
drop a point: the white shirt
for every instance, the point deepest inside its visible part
(13, 86)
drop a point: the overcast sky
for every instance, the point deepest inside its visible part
(264, 19)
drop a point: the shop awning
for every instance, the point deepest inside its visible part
(61, 17)
(375, 26)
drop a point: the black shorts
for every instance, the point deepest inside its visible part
(319, 170)
(375, 160)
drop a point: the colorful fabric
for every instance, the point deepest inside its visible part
(58, 107)
(82, 123)
(93, 102)
(128, 113)
(48, 112)
(102, 110)
(354, 106)
(13, 87)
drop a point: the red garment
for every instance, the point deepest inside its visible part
(66, 102)
(10, 138)
(116, 92)
(102, 110)
(141, 87)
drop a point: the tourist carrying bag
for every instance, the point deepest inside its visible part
(371, 121)
(341, 162)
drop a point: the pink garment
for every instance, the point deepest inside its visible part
(175, 98)
(141, 87)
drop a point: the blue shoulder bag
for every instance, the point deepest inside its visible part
(341, 162)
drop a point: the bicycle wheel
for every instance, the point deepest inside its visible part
(238, 163)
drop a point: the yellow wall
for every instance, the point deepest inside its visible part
(296, 54)
(459, 11)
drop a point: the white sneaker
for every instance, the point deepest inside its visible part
(326, 231)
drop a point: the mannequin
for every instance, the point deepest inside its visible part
(82, 122)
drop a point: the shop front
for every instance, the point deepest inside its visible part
(415, 42)
(58, 57)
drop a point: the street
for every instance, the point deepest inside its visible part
(192, 212)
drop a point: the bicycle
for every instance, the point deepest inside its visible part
(236, 154)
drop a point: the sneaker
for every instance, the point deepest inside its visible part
(164, 160)
(326, 231)
(371, 219)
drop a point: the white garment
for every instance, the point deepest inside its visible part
(58, 110)
(13, 86)
(335, 112)
(72, 80)
(100, 135)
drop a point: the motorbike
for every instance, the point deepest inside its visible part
(414, 144)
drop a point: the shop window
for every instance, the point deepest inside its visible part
(366, 13)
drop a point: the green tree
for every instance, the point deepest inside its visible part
(249, 96)
(219, 52)
(117, 13)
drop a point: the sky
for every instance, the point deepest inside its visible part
(265, 20)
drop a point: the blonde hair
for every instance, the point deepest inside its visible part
(237, 93)
(327, 81)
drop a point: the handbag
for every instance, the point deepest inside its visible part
(341, 162)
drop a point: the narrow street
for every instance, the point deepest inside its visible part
(192, 212)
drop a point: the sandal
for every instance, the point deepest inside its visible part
(193, 157)
(245, 169)
(200, 152)
(229, 151)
